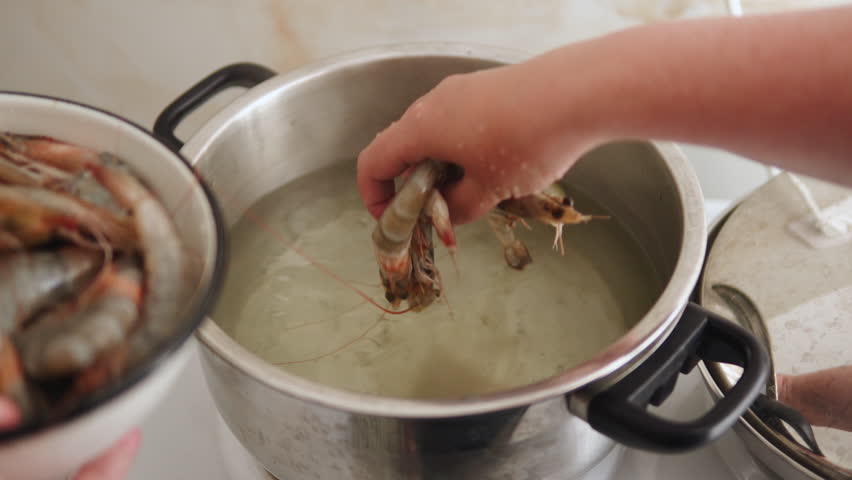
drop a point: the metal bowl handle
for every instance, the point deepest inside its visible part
(235, 75)
(620, 411)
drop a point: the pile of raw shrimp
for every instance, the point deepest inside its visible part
(90, 272)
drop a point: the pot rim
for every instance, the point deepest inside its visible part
(197, 312)
(644, 335)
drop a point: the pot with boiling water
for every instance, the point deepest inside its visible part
(533, 374)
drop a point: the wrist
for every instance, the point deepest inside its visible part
(576, 93)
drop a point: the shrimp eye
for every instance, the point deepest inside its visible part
(557, 214)
(389, 297)
(568, 201)
(403, 295)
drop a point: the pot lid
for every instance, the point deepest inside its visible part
(771, 269)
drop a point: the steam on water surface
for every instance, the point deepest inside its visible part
(507, 328)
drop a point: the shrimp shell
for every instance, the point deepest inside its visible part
(31, 281)
(35, 216)
(165, 263)
(55, 346)
(393, 232)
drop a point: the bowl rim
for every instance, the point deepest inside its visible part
(624, 353)
(197, 313)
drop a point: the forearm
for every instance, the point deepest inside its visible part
(777, 89)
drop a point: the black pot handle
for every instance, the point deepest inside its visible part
(235, 75)
(620, 411)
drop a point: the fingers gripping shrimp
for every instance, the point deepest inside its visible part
(405, 270)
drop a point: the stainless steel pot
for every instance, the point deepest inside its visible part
(286, 126)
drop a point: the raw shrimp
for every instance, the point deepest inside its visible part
(102, 264)
(158, 241)
(55, 346)
(551, 206)
(409, 273)
(32, 217)
(66, 166)
(19, 169)
(406, 275)
(31, 281)
(161, 248)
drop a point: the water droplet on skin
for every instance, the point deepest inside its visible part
(524, 165)
(516, 192)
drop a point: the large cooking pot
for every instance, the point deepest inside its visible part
(286, 126)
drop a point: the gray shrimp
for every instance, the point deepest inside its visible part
(57, 345)
(31, 281)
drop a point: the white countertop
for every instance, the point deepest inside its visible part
(181, 440)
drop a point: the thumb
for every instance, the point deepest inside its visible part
(115, 462)
(390, 154)
(10, 415)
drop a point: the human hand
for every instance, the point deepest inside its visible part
(497, 124)
(111, 465)
(824, 397)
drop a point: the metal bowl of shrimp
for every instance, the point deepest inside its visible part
(298, 413)
(111, 254)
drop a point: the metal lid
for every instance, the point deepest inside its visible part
(794, 296)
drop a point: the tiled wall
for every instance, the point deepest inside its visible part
(133, 57)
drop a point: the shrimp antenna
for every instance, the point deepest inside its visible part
(277, 234)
